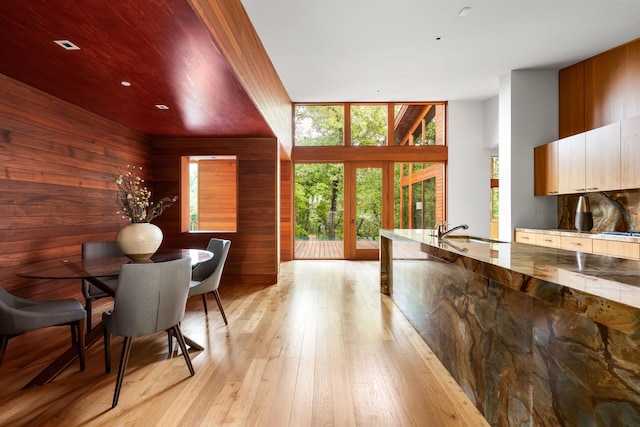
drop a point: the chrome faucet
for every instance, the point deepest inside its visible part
(442, 233)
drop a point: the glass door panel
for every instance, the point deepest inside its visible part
(319, 211)
(367, 214)
(368, 207)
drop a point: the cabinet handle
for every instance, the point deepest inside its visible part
(524, 237)
(547, 240)
(579, 189)
(575, 243)
(592, 188)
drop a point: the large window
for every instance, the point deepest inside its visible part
(422, 184)
(349, 134)
(368, 125)
(495, 197)
(209, 193)
(319, 125)
(419, 124)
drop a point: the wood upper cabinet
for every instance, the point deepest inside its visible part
(588, 161)
(571, 164)
(630, 153)
(545, 167)
(602, 156)
(571, 100)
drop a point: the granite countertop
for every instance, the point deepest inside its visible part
(586, 283)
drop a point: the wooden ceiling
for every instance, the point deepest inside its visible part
(159, 46)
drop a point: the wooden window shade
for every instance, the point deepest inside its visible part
(212, 200)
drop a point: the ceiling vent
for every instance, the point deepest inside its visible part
(67, 44)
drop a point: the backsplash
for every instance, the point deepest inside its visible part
(612, 210)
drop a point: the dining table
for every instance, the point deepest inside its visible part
(91, 270)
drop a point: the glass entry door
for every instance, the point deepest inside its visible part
(367, 212)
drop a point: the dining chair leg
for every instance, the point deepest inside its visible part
(81, 342)
(4, 340)
(74, 333)
(204, 303)
(170, 337)
(183, 347)
(107, 351)
(217, 295)
(124, 359)
(87, 307)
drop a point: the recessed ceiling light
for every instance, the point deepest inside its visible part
(464, 11)
(161, 107)
(125, 83)
(67, 44)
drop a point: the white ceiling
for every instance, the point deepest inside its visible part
(386, 50)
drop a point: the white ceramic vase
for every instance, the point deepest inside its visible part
(139, 241)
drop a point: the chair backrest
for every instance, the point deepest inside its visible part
(213, 268)
(6, 298)
(93, 250)
(150, 297)
(7, 313)
(18, 315)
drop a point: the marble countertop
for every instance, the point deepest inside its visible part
(589, 282)
(588, 235)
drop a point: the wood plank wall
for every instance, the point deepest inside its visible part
(600, 90)
(56, 187)
(253, 257)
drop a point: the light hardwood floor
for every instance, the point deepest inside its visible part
(322, 347)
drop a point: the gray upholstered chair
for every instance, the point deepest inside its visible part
(205, 278)
(150, 297)
(93, 250)
(19, 315)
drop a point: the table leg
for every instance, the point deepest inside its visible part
(191, 343)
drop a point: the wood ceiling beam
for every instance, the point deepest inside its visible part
(237, 40)
(415, 154)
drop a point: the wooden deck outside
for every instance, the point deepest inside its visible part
(327, 249)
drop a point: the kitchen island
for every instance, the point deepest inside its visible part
(534, 335)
